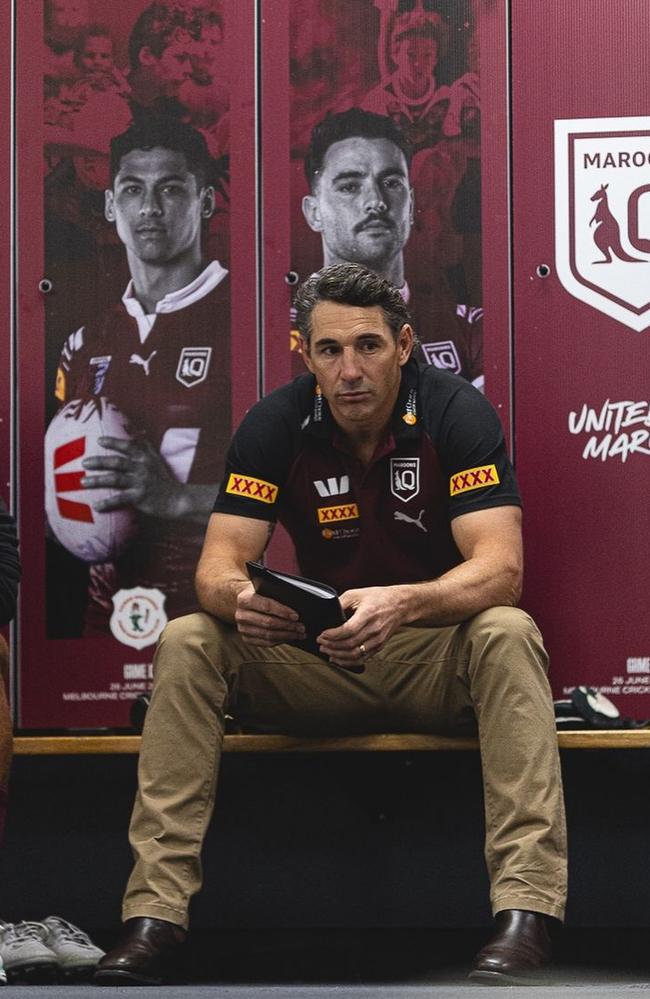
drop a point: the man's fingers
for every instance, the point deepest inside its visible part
(107, 480)
(264, 605)
(107, 462)
(117, 444)
(124, 497)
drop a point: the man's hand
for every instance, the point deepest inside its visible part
(138, 474)
(376, 614)
(266, 622)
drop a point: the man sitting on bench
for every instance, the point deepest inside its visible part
(394, 484)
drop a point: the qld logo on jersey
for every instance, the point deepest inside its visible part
(442, 354)
(602, 215)
(193, 365)
(405, 478)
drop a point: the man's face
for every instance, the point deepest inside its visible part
(157, 205)
(207, 54)
(97, 55)
(416, 58)
(174, 64)
(356, 361)
(69, 13)
(362, 203)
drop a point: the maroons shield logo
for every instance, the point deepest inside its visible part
(405, 478)
(602, 215)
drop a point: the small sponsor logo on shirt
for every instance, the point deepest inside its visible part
(257, 489)
(193, 365)
(332, 514)
(99, 366)
(143, 362)
(60, 386)
(340, 533)
(473, 478)
(405, 478)
(332, 486)
(398, 515)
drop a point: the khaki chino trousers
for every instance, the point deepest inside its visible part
(488, 673)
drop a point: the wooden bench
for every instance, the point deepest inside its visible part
(35, 745)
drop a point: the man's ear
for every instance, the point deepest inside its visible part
(303, 346)
(412, 208)
(207, 202)
(109, 206)
(311, 211)
(405, 343)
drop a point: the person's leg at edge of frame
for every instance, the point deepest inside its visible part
(177, 776)
(525, 846)
(6, 734)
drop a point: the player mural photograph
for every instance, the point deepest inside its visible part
(138, 359)
(385, 147)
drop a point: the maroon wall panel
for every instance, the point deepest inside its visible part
(5, 259)
(581, 144)
(89, 624)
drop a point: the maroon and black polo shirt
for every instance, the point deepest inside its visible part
(443, 455)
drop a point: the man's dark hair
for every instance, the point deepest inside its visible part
(349, 284)
(151, 130)
(156, 27)
(350, 124)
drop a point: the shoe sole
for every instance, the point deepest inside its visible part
(496, 978)
(38, 973)
(80, 974)
(110, 977)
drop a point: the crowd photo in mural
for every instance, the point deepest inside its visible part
(138, 380)
(385, 155)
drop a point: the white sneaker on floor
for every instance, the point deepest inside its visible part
(75, 953)
(24, 953)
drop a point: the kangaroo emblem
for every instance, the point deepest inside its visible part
(411, 520)
(142, 361)
(607, 234)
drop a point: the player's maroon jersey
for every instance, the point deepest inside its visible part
(175, 391)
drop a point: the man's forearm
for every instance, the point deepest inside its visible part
(218, 592)
(459, 594)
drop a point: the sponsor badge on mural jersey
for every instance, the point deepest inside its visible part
(138, 616)
(602, 215)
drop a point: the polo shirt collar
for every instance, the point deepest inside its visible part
(404, 421)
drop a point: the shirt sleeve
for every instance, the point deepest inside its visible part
(9, 566)
(473, 454)
(259, 459)
(69, 374)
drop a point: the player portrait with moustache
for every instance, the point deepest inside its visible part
(160, 358)
(362, 204)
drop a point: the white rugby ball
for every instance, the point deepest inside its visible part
(72, 436)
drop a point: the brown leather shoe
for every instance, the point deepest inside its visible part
(144, 954)
(518, 951)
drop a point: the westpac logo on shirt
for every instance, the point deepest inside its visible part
(332, 486)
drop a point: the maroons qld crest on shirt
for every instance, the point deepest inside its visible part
(602, 215)
(405, 478)
(193, 365)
